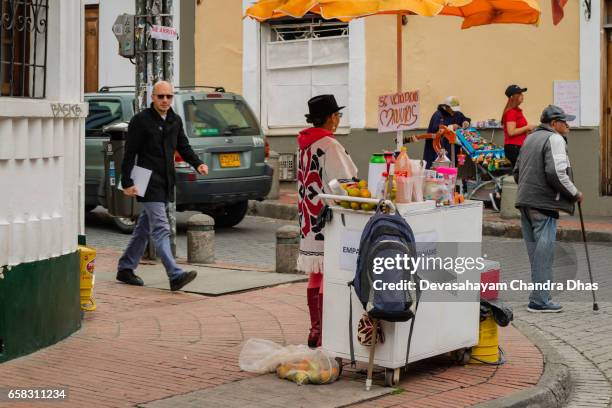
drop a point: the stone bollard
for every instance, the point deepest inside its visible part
(509, 190)
(287, 248)
(201, 239)
(274, 190)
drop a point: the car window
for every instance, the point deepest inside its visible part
(102, 112)
(219, 117)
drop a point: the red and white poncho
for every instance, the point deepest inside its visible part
(321, 159)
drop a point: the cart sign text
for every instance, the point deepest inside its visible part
(400, 111)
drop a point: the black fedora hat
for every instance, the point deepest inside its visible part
(321, 106)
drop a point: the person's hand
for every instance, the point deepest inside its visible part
(130, 191)
(579, 197)
(203, 169)
(410, 139)
(465, 124)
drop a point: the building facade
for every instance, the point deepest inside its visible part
(41, 172)
(104, 66)
(278, 65)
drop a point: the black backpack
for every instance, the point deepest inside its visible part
(386, 236)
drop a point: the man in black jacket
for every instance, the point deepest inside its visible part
(545, 187)
(153, 137)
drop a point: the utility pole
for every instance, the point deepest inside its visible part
(154, 62)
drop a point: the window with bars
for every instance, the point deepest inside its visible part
(304, 58)
(23, 48)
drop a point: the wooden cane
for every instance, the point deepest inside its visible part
(372, 352)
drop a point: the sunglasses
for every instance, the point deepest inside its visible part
(163, 96)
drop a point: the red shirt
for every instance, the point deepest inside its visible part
(514, 115)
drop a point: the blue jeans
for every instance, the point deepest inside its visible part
(152, 221)
(540, 234)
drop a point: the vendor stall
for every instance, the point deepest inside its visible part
(445, 320)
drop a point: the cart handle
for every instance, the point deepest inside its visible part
(374, 201)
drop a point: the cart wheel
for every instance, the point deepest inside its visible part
(464, 355)
(392, 377)
(339, 361)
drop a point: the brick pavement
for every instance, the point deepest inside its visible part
(145, 344)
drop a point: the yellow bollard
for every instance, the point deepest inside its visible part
(487, 349)
(88, 257)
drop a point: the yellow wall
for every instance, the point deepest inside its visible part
(475, 65)
(218, 44)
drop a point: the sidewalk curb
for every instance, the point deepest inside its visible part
(283, 211)
(272, 209)
(555, 385)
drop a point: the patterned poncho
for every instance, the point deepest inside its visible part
(321, 159)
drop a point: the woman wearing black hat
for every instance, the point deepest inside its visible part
(515, 124)
(321, 159)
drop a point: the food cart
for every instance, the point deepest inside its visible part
(445, 320)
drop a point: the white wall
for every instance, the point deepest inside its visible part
(113, 69)
(41, 151)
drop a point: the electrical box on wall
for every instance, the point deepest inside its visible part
(124, 31)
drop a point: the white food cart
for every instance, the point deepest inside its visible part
(441, 325)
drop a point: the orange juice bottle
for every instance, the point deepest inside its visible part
(403, 173)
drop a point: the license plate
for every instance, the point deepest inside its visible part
(229, 159)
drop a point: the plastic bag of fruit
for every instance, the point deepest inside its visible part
(299, 364)
(318, 368)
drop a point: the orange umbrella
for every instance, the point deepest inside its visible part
(474, 13)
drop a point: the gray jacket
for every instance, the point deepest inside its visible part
(543, 172)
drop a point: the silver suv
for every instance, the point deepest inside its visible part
(222, 130)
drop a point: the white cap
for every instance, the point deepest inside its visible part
(453, 102)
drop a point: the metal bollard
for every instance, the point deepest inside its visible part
(287, 248)
(201, 239)
(274, 190)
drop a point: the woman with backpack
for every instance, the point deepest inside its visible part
(321, 158)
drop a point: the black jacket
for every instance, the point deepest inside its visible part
(151, 143)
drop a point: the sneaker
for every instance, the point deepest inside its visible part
(128, 276)
(184, 279)
(550, 307)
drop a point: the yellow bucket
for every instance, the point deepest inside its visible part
(88, 257)
(487, 349)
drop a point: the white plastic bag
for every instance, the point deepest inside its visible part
(263, 356)
(299, 364)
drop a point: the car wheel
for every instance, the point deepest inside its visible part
(125, 225)
(230, 215)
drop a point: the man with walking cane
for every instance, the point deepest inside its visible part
(545, 187)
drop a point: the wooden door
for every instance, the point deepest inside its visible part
(91, 48)
(606, 147)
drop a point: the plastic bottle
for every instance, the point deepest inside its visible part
(403, 177)
(376, 166)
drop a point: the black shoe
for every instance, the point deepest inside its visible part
(182, 280)
(128, 276)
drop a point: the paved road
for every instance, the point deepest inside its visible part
(251, 243)
(583, 337)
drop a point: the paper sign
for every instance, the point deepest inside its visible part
(567, 97)
(400, 111)
(163, 33)
(349, 249)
